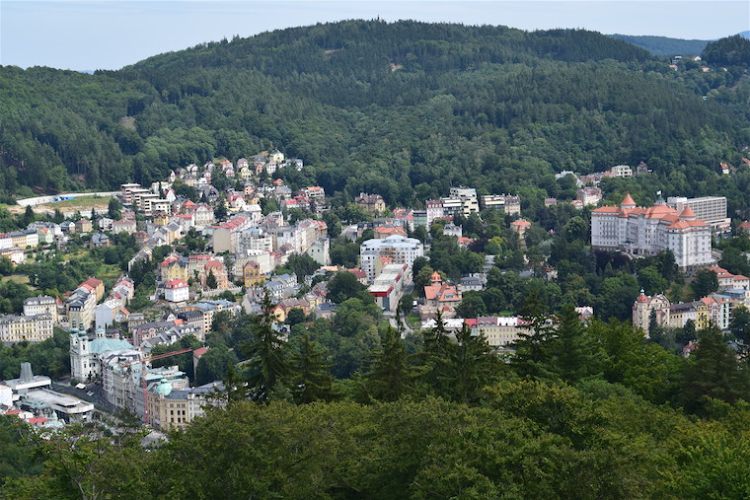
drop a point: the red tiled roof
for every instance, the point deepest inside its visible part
(175, 283)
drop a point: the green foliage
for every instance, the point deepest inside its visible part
(704, 283)
(50, 357)
(343, 286)
(266, 351)
(311, 376)
(729, 51)
(713, 373)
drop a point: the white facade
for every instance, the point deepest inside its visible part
(42, 304)
(648, 231)
(398, 249)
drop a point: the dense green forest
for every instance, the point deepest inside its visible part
(582, 411)
(404, 109)
(664, 46)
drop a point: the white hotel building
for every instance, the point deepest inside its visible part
(648, 231)
(396, 249)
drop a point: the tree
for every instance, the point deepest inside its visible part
(302, 265)
(266, 354)
(573, 356)
(471, 306)
(705, 283)
(713, 373)
(295, 316)
(311, 378)
(739, 327)
(470, 365)
(389, 376)
(214, 364)
(114, 209)
(28, 216)
(532, 349)
(342, 286)
(220, 210)
(211, 281)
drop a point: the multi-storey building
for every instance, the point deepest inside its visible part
(388, 287)
(371, 203)
(644, 306)
(508, 204)
(42, 304)
(374, 254)
(648, 231)
(710, 209)
(15, 328)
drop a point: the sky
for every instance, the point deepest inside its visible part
(110, 34)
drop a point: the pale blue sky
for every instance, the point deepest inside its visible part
(108, 34)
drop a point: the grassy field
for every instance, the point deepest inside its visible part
(81, 202)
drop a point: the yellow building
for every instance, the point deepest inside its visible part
(251, 274)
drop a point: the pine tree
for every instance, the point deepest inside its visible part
(713, 372)
(311, 379)
(573, 357)
(435, 356)
(266, 354)
(532, 349)
(471, 365)
(389, 376)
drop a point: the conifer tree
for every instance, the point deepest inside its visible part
(435, 356)
(532, 349)
(713, 373)
(311, 375)
(573, 354)
(266, 352)
(389, 376)
(471, 365)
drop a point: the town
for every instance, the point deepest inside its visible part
(211, 244)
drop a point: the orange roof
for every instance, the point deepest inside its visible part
(607, 210)
(521, 223)
(687, 212)
(628, 200)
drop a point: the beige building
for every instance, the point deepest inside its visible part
(42, 304)
(25, 328)
(642, 311)
(171, 409)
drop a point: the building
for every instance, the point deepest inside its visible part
(589, 196)
(649, 231)
(508, 204)
(171, 408)
(620, 171)
(371, 203)
(176, 290)
(41, 304)
(109, 312)
(728, 281)
(710, 209)
(86, 353)
(15, 328)
(375, 254)
(80, 308)
(440, 296)
(388, 287)
(501, 332)
(226, 237)
(645, 305)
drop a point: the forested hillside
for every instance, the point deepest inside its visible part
(403, 109)
(665, 46)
